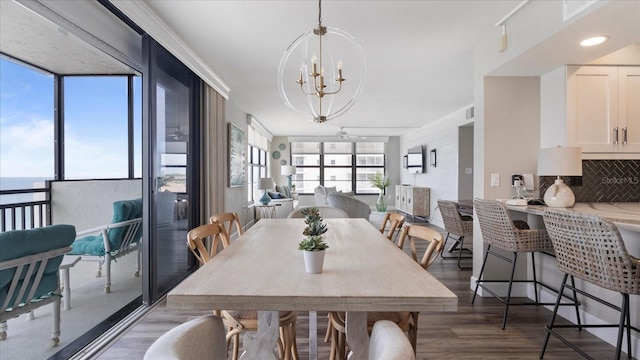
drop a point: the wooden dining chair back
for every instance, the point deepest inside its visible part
(591, 249)
(228, 221)
(415, 233)
(205, 240)
(200, 338)
(395, 221)
(456, 225)
(406, 321)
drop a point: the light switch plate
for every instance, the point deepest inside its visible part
(495, 179)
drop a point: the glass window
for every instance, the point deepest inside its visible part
(26, 129)
(96, 127)
(345, 165)
(137, 126)
(370, 159)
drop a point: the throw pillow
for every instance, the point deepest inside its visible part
(275, 195)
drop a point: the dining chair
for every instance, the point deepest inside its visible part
(591, 249)
(456, 225)
(395, 220)
(204, 241)
(500, 231)
(200, 338)
(405, 320)
(236, 321)
(389, 342)
(228, 221)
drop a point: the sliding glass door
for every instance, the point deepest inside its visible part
(171, 105)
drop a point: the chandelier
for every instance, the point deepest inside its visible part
(310, 75)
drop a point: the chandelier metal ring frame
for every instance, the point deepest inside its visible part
(310, 75)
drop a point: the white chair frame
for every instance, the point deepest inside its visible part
(126, 246)
(10, 310)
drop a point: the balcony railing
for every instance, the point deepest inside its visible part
(27, 214)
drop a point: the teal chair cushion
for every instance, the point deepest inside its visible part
(122, 210)
(18, 243)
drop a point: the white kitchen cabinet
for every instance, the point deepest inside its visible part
(603, 108)
(413, 200)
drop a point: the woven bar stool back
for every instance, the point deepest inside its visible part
(590, 248)
(456, 225)
(498, 229)
(453, 221)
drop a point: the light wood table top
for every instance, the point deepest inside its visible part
(264, 270)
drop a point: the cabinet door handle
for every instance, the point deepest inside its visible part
(624, 136)
(615, 135)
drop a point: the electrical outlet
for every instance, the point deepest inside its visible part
(514, 178)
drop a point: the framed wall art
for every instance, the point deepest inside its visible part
(237, 158)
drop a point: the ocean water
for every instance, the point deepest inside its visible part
(19, 183)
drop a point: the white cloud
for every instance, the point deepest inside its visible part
(27, 150)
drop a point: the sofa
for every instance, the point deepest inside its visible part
(320, 194)
(346, 202)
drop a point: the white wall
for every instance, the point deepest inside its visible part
(441, 135)
(235, 198)
(88, 204)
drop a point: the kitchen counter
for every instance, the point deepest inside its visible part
(626, 215)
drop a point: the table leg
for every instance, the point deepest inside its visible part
(357, 336)
(262, 345)
(313, 335)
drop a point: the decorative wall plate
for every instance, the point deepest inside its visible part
(283, 162)
(282, 146)
(276, 154)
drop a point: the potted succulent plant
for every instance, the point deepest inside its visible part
(313, 245)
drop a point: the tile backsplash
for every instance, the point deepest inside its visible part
(602, 181)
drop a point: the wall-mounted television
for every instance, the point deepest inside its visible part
(414, 160)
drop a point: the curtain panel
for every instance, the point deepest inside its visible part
(214, 154)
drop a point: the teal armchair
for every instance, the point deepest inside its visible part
(111, 241)
(29, 272)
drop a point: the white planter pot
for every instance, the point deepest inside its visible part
(313, 261)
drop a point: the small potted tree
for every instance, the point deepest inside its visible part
(381, 181)
(313, 246)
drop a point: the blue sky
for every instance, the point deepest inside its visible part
(95, 124)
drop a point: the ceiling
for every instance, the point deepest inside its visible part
(43, 44)
(420, 54)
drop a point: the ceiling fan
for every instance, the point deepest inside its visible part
(343, 135)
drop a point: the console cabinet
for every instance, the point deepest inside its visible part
(413, 200)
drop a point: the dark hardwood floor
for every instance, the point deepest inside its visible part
(473, 332)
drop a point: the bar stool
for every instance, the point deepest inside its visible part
(514, 236)
(456, 225)
(590, 248)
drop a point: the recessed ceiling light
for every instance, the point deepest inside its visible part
(594, 40)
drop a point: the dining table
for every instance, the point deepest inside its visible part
(263, 270)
